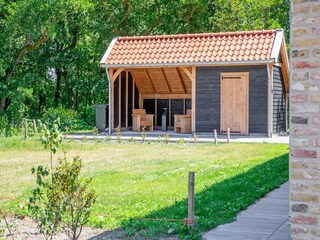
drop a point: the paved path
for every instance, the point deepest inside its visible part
(265, 220)
(174, 137)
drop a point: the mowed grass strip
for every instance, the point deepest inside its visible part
(136, 180)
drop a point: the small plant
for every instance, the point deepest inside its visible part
(159, 139)
(195, 138)
(7, 226)
(95, 131)
(118, 133)
(84, 138)
(66, 132)
(51, 138)
(143, 134)
(64, 200)
(166, 138)
(181, 141)
(133, 140)
(107, 138)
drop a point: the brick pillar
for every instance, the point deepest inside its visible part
(305, 120)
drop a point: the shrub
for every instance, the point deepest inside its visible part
(67, 117)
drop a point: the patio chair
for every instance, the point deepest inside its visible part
(141, 119)
(182, 123)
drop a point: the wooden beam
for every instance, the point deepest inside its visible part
(181, 81)
(156, 112)
(116, 74)
(140, 101)
(170, 112)
(166, 80)
(166, 96)
(112, 105)
(127, 95)
(133, 93)
(188, 72)
(149, 79)
(193, 116)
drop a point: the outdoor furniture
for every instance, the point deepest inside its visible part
(141, 119)
(182, 123)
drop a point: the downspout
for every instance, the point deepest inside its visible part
(269, 102)
(110, 103)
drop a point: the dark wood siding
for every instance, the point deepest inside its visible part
(123, 100)
(279, 102)
(208, 97)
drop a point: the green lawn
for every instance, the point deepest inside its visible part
(150, 180)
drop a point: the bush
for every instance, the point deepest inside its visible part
(67, 117)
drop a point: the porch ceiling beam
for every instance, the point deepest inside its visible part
(166, 80)
(188, 72)
(166, 96)
(181, 80)
(149, 79)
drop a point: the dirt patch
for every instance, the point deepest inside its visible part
(26, 228)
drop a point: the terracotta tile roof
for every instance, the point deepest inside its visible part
(191, 48)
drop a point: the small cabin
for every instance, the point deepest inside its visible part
(235, 80)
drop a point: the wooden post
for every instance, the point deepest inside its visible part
(191, 200)
(228, 135)
(35, 127)
(127, 94)
(215, 136)
(25, 128)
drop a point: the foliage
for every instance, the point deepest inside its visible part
(166, 138)
(118, 134)
(195, 137)
(51, 137)
(48, 61)
(63, 200)
(143, 134)
(66, 117)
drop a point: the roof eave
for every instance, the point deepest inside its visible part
(255, 62)
(106, 54)
(277, 44)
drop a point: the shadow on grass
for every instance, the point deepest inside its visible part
(217, 204)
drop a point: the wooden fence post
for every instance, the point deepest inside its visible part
(228, 136)
(215, 136)
(191, 200)
(35, 127)
(25, 128)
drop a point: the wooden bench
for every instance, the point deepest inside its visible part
(182, 123)
(141, 119)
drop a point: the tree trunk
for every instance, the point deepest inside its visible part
(57, 94)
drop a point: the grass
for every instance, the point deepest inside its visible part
(136, 180)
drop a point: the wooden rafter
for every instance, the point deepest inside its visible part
(166, 80)
(137, 83)
(149, 79)
(181, 81)
(188, 72)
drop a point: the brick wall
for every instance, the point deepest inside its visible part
(305, 120)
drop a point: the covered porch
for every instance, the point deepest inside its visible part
(152, 89)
